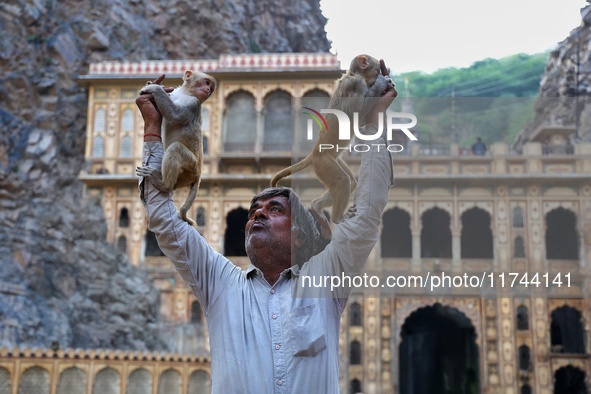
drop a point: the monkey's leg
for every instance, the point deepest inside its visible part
(178, 165)
(338, 184)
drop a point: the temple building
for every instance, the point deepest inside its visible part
(510, 231)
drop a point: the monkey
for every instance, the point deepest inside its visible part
(182, 137)
(367, 77)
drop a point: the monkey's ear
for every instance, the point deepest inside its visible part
(187, 75)
(363, 62)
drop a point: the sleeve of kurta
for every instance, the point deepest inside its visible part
(354, 238)
(206, 271)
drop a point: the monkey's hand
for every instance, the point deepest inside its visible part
(154, 175)
(151, 89)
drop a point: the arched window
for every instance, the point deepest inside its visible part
(139, 382)
(396, 237)
(123, 217)
(566, 331)
(278, 123)
(476, 235)
(355, 353)
(524, 358)
(107, 381)
(525, 389)
(199, 382)
(569, 380)
(316, 99)
(34, 380)
(122, 244)
(100, 120)
(200, 217)
(4, 381)
(355, 316)
(72, 381)
(518, 219)
(234, 235)
(170, 382)
(152, 247)
(127, 120)
(519, 248)
(436, 234)
(356, 387)
(240, 123)
(125, 150)
(98, 147)
(561, 235)
(522, 318)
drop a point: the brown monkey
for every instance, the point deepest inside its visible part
(366, 78)
(182, 136)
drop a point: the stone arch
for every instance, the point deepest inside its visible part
(355, 386)
(127, 120)
(562, 238)
(446, 339)
(234, 234)
(196, 312)
(239, 129)
(4, 381)
(139, 382)
(34, 380)
(107, 381)
(200, 217)
(124, 217)
(396, 237)
(355, 314)
(476, 235)
(100, 120)
(126, 147)
(72, 381)
(524, 358)
(355, 352)
(98, 146)
(484, 205)
(170, 382)
(567, 334)
(570, 379)
(518, 216)
(278, 121)
(436, 234)
(199, 382)
(522, 318)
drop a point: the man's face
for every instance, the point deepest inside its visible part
(268, 228)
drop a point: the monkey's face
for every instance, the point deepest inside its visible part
(202, 89)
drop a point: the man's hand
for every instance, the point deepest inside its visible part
(149, 110)
(385, 101)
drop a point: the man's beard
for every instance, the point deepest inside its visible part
(265, 251)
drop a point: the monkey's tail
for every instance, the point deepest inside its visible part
(297, 167)
(190, 199)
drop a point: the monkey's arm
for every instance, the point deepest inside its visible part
(205, 271)
(173, 113)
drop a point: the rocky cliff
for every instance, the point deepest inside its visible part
(60, 282)
(565, 87)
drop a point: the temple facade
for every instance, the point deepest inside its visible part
(479, 282)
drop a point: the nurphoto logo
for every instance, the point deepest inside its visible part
(345, 126)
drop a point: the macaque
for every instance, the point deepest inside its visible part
(366, 78)
(182, 137)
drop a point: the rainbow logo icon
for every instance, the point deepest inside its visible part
(318, 118)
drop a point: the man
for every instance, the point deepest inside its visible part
(478, 148)
(267, 333)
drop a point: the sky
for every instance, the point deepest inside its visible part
(419, 35)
